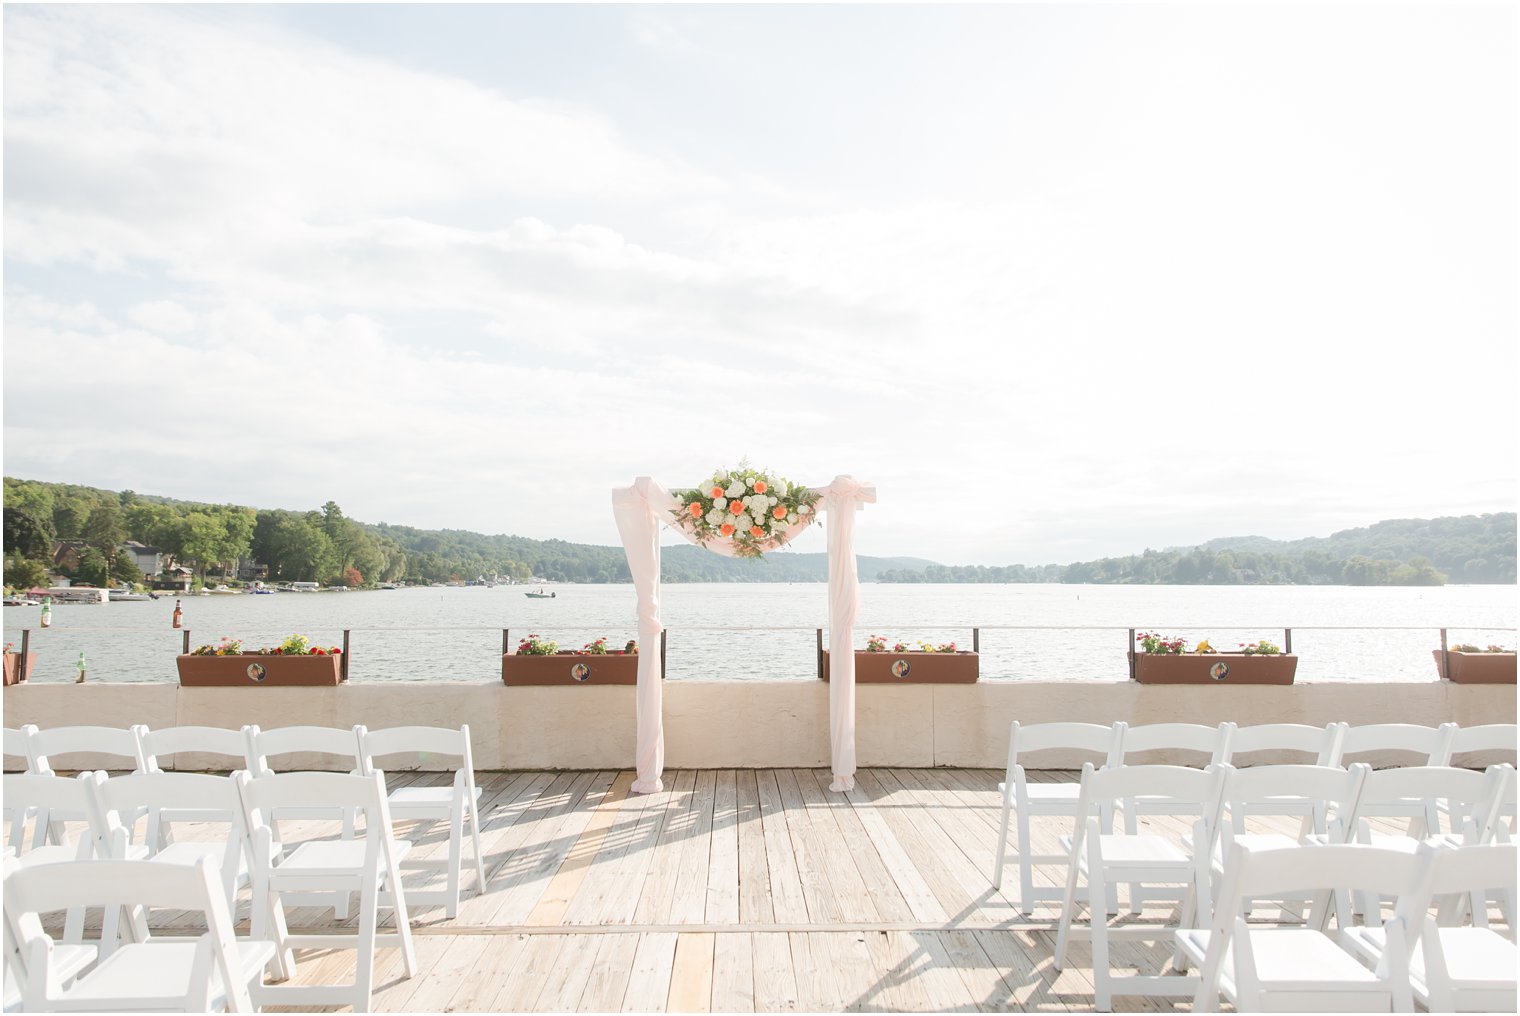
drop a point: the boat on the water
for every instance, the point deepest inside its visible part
(224, 590)
(540, 595)
(21, 601)
(127, 596)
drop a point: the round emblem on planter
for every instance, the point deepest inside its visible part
(900, 668)
(255, 672)
(1219, 671)
(579, 672)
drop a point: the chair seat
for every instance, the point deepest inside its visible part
(154, 970)
(1284, 956)
(1473, 955)
(190, 853)
(421, 802)
(1122, 851)
(333, 857)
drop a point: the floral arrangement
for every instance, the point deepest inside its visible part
(1150, 642)
(10, 649)
(1155, 644)
(878, 644)
(754, 508)
(1462, 647)
(535, 646)
(295, 645)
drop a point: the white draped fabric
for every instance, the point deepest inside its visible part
(640, 511)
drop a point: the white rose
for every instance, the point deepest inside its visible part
(803, 509)
(720, 503)
(792, 519)
(714, 518)
(770, 499)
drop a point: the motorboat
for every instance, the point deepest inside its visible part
(540, 595)
(125, 595)
(224, 590)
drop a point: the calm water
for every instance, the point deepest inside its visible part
(456, 633)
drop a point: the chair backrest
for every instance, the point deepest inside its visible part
(15, 747)
(1474, 868)
(45, 746)
(303, 742)
(1319, 743)
(425, 744)
(264, 796)
(210, 798)
(38, 889)
(1194, 792)
(1213, 743)
(1072, 743)
(1427, 745)
(56, 795)
(1487, 737)
(1411, 790)
(157, 745)
(1280, 791)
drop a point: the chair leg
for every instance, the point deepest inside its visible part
(1132, 828)
(1001, 854)
(1097, 889)
(456, 848)
(480, 861)
(1026, 867)
(364, 961)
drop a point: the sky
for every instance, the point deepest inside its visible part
(1063, 281)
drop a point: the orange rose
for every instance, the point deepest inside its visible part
(756, 531)
(726, 529)
(695, 509)
(759, 486)
(778, 512)
(735, 508)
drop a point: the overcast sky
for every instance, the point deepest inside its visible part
(1063, 281)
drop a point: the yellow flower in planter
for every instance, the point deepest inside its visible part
(1204, 647)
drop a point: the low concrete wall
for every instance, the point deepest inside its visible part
(750, 724)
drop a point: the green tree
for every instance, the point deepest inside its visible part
(27, 535)
(105, 532)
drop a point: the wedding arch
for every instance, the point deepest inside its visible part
(642, 509)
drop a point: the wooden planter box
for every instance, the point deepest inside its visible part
(14, 668)
(1213, 668)
(252, 670)
(912, 668)
(570, 668)
(1466, 668)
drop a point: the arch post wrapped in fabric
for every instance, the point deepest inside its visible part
(640, 511)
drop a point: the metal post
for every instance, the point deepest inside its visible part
(976, 640)
(343, 664)
(1445, 657)
(24, 671)
(820, 654)
(506, 641)
(662, 653)
(1132, 654)
(184, 642)
(1287, 641)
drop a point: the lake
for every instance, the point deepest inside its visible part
(767, 631)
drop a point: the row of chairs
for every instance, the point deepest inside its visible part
(1340, 804)
(105, 868)
(261, 752)
(1120, 744)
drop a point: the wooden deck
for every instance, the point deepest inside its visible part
(735, 891)
(731, 891)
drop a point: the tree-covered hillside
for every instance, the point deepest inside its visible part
(323, 545)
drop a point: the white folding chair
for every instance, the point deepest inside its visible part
(1430, 746)
(168, 797)
(1105, 859)
(286, 749)
(1027, 800)
(15, 749)
(1302, 969)
(47, 796)
(156, 746)
(1454, 968)
(1320, 746)
(1310, 794)
(43, 746)
(429, 805)
(1210, 745)
(370, 866)
(211, 973)
(68, 959)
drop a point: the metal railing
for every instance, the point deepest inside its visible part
(820, 647)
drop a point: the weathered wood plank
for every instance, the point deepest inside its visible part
(688, 903)
(754, 873)
(775, 977)
(733, 973)
(664, 866)
(723, 856)
(608, 980)
(555, 901)
(787, 901)
(691, 974)
(649, 982)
